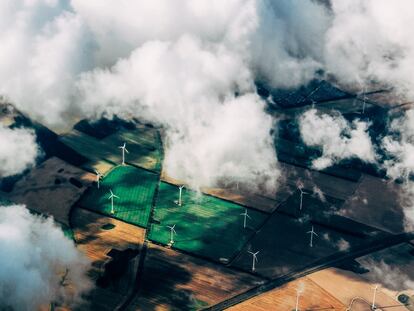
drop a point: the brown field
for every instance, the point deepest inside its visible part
(346, 285)
(95, 243)
(175, 281)
(313, 297)
(391, 269)
(47, 188)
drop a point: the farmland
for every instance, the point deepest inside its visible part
(284, 299)
(142, 143)
(96, 236)
(135, 189)
(53, 178)
(290, 239)
(205, 225)
(175, 281)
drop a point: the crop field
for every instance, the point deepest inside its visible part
(53, 178)
(175, 281)
(135, 188)
(205, 225)
(96, 239)
(287, 237)
(284, 298)
(143, 144)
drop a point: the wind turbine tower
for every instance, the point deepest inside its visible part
(180, 195)
(297, 301)
(312, 233)
(245, 216)
(111, 197)
(98, 177)
(254, 260)
(124, 149)
(373, 306)
(301, 197)
(172, 233)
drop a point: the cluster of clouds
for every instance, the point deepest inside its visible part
(399, 146)
(191, 66)
(38, 265)
(18, 151)
(338, 138)
(370, 41)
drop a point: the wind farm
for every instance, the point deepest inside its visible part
(254, 244)
(245, 155)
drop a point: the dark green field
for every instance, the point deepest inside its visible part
(205, 225)
(143, 144)
(135, 188)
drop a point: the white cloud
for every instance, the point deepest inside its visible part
(18, 151)
(338, 138)
(35, 255)
(399, 148)
(187, 59)
(44, 47)
(372, 40)
(212, 136)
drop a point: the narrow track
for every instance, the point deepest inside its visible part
(137, 284)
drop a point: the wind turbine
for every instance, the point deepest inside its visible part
(373, 306)
(363, 93)
(363, 99)
(301, 197)
(124, 149)
(297, 301)
(312, 233)
(313, 103)
(98, 177)
(245, 216)
(254, 260)
(179, 202)
(172, 232)
(111, 197)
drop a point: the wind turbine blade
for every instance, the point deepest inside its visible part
(126, 150)
(248, 216)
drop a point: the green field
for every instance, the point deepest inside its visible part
(143, 144)
(144, 147)
(135, 188)
(205, 225)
